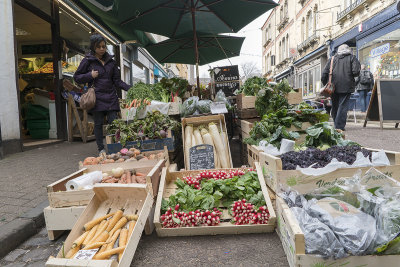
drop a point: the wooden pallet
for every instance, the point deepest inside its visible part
(168, 187)
(135, 198)
(276, 177)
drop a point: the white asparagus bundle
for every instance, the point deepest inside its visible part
(188, 144)
(209, 141)
(194, 143)
(219, 145)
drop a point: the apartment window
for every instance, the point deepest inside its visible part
(310, 23)
(287, 45)
(281, 14)
(273, 60)
(283, 49)
(315, 18)
(286, 10)
(303, 30)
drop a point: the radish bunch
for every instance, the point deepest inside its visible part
(245, 213)
(217, 175)
(174, 218)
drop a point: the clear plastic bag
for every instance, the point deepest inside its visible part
(203, 106)
(319, 238)
(220, 97)
(189, 107)
(354, 229)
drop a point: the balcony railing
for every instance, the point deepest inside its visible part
(283, 23)
(349, 9)
(308, 42)
(267, 42)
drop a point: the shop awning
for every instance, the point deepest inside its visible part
(106, 19)
(317, 51)
(283, 74)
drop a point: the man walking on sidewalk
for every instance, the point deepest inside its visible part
(365, 84)
(346, 68)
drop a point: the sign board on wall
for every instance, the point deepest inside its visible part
(380, 50)
(227, 79)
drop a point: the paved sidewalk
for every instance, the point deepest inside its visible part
(23, 180)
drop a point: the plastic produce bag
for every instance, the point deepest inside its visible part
(220, 97)
(354, 229)
(319, 238)
(203, 106)
(380, 159)
(189, 106)
(158, 106)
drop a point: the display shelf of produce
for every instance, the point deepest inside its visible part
(108, 198)
(59, 196)
(168, 187)
(196, 121)
(276, 177)
(146, 145)
(293, 242)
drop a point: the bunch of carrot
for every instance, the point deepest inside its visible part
(102, 233)
(137, 103)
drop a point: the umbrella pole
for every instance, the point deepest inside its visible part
(196, 48)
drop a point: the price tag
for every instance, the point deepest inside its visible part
(218, 108)
(202, 157)
(86, 254)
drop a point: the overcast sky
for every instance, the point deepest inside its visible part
(251, 49)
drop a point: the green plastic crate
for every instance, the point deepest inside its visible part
(39, 133)
(37, 112)
(38, 124)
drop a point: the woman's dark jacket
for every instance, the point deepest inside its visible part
(346, 68)
(105, 84)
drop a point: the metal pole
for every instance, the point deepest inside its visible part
(196, 49)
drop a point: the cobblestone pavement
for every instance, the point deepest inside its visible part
(24, 176)
(37, 168)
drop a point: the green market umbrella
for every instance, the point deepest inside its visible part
(190, 18)
(181, 50)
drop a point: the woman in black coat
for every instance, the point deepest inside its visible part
(100, 70)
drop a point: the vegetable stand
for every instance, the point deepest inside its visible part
(168, 188)
(196, 127)
(135, 199)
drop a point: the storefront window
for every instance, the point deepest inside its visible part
(44, 5)
(381, 56)
(305, 84)
(310, 81)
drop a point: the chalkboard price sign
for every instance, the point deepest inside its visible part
(227, 79)
(202, 157)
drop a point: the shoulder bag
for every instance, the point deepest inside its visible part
(88, 99)
(329, 87)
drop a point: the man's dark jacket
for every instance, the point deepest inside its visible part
(346, 68)
(105, 84)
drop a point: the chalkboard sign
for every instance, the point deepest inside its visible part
(227, 79)
(384, 105)
(202, 157)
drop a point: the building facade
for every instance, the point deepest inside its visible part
(300, 35)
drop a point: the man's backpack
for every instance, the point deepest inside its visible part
(365, 77)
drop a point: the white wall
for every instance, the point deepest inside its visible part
(9, 115)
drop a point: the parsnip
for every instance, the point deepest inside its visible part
(95, 245)
(123, 239)
(108, 253)
(113, 239)
(114, 220)
(194, 143)
(219, 145)
(80, 240)
(90, 235)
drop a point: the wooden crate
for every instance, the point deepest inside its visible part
(296, 97)
(293, 241)
(168, 187)
(60, 219)
(253, 154)
(131, 164)
(247, 114)
(219, 120)
(246, 126)
(245, 102)
(59, 196)
(275, 177)
(134, 198)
